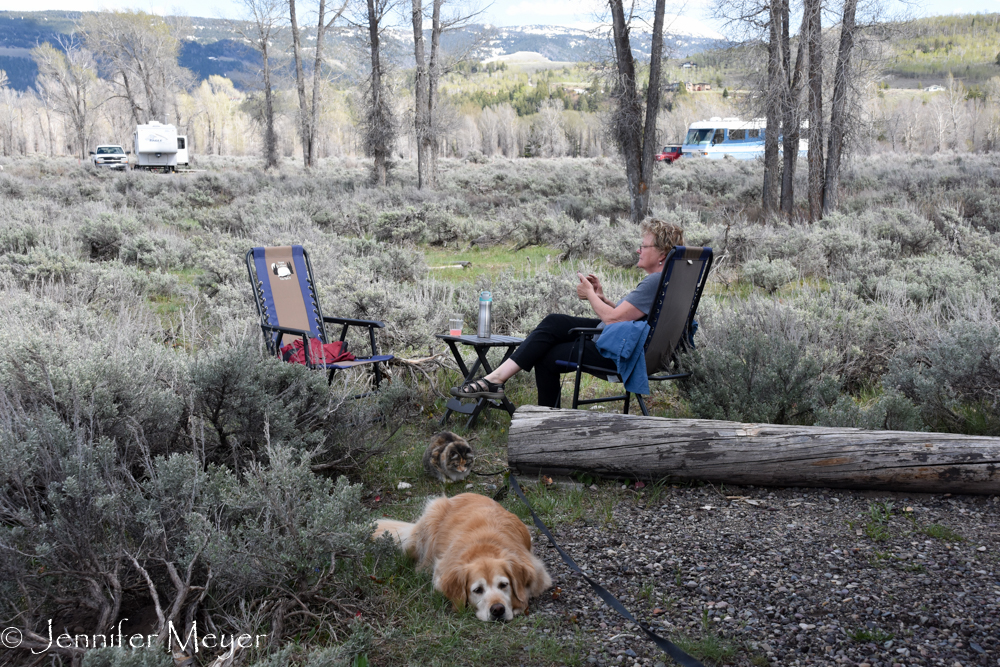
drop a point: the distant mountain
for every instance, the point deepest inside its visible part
(22, 31)
(226, 57)
(682, 37)
(210, 46)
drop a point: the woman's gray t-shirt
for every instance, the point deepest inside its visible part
(643, 296)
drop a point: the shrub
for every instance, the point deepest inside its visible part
(19, 238)
(105, 236)
(288, 534)
(912, 234)
(132, 459)
(597, 239)
(770, 275)
(757, 361)
(11, 187)
(122, 657)
(41, 264)
(405, 225)
(953, 376)
(890, 411)
(928, 277)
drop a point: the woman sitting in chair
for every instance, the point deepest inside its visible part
(551, 340)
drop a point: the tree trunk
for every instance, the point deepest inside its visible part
(649, 142)
(651, 448)
(629, 131)
(321, 27)
(773, 101)
(420, 118)
(378, 148)
(300, 85)
(838, 111)
(270, 139)
(433, 76)
(790, 113)
(813, 8)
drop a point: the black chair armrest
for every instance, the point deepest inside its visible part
(351, 321)
(347, 322)
(585, 331)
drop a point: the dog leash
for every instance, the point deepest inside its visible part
(666, 645)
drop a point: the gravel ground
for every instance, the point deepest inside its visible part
(759, 576)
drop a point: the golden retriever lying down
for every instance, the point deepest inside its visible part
(479, 553)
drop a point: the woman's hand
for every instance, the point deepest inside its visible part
(586, 286)
(596, 282)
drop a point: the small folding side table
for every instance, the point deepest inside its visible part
(481, 347)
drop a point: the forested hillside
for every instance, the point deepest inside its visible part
(966, 46)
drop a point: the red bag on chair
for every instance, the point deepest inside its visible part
(320, 353)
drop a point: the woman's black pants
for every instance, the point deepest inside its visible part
(551, 342)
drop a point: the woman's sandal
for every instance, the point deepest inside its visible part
(478, 388)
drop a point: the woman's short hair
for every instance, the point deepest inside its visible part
(665, 234)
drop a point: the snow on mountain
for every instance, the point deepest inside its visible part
(682, 35)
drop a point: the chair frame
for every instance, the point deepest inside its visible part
(677, 254)
(273, 333)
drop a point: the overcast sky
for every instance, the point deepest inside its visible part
(576, 13)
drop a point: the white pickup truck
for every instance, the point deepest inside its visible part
(111, 156)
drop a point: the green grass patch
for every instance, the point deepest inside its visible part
(710, 647)
(877, 526)
(418, 626)
(487, 261)
(939, 532)
(865, 635)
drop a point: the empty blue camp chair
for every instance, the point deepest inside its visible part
(685, 271)
(285, 294)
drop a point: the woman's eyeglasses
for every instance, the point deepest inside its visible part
(645, 246)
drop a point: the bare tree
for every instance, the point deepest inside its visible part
(68, 82)
(838, 112)
(379, 123)
(489, 131)
(766, 23)
(261, 24)
(309, 113)
(508, 130)
(138, 52)
(773, 97)
(429, 69)
(549, 131)
(421, 112)
(635, 137)
(814, 40)
(791, 96)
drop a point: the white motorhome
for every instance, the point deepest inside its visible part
(158, 146)
(717, 138)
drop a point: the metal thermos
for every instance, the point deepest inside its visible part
(485, 319)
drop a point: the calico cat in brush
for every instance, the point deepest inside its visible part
(448, 457)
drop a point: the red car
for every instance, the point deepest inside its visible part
(669, 154)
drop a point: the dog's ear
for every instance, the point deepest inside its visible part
(529, 578)
(522, 579)
(453, 582)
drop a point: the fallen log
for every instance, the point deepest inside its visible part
(547, 440)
